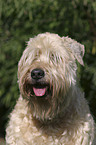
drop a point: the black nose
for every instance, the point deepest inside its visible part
(37, 74)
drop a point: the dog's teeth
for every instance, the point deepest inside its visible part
(39, 92)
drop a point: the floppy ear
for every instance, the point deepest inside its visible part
(76, 48)
(78, 51)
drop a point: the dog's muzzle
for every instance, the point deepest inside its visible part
(39, 87)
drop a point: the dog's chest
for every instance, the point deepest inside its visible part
(53, 134)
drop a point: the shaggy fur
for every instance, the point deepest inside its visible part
(52, 109)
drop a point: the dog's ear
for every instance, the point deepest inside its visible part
(78, 51)
(76, 48)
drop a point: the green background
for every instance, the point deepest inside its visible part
(22, 19)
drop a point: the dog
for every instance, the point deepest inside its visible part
(51, 109)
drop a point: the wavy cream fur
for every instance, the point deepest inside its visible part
(64, 117)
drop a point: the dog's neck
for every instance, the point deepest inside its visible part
(59, 124)
(62, 115)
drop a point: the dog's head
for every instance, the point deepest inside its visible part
(47, 71)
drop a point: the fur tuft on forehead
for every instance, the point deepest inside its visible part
(51, 47)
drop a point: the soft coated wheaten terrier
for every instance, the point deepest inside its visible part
(51, 109)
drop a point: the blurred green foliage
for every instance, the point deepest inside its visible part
(20, 20)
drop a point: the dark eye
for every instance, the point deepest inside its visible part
(54, 58)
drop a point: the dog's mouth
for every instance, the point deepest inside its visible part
(41, 90)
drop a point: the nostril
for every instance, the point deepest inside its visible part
(32, 74)
(37, 74)
(41, 73)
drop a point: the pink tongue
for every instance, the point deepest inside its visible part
(39, 92)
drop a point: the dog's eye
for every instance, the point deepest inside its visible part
(54, 58)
